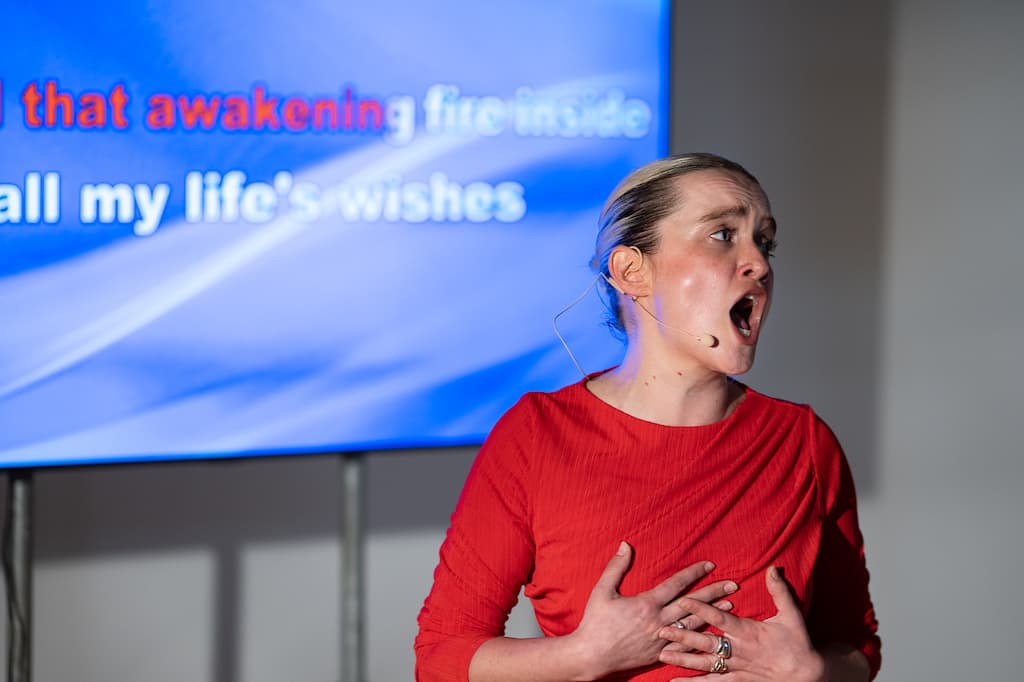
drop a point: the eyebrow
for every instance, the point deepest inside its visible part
(718, 214)
(732, 211)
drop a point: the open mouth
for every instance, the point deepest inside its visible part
(740, 314)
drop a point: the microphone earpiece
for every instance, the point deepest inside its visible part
(710, 341)
(613, 285)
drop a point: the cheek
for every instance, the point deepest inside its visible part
(693, 285)
(704, 290)
(698, 298)
(690, 284)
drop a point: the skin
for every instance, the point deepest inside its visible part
(776, 649)
(700, 269)
(713, 250)
(615, 633)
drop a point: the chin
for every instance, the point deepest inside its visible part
(740, 363)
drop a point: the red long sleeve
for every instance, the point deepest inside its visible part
(486, 557)
(840, 574)
(564, 477)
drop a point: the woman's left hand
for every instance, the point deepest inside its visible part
(776, 649)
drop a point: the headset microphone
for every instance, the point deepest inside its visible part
(706, 340)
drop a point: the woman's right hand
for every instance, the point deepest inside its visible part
(619, 633)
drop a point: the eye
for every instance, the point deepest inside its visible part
(767, 245)
(723, 235)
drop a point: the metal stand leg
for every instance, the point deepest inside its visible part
(352, 563)
(17, 556)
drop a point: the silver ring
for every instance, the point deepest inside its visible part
(679, 624)
(724, 649)
(720, 666)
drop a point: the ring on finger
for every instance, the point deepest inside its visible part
(724, 649)
(678, 623)
(720, 666)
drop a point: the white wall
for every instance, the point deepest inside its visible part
(889, 137)
(949, 510)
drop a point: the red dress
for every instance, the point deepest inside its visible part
(564, 477)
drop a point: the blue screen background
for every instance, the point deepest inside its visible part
(308, 329)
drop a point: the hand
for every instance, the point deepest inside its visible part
(619, 633)
(776, 649)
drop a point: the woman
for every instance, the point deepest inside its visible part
(610, 498)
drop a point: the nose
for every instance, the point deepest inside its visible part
(754, 264)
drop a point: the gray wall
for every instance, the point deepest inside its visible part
(888, 136)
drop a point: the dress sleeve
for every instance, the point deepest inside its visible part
(841, 609)
(486, 557)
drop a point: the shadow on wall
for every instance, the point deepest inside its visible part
(797, 93)
(222, 506)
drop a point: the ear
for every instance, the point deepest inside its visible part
(628, 271)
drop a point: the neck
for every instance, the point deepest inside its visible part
(658, 392)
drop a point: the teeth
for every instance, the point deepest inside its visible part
(751, 297)
(745, 332)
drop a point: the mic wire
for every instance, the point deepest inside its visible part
(554, 323)
(708, 341)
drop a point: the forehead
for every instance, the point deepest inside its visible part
(705, 192)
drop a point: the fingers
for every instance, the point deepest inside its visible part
(688, 639)
(693, 661)
(709, 614)
(691, 621)
(611, 577)
(675, 584)
(779, 590)
(707, 594)
(699, 655)
(710, 593)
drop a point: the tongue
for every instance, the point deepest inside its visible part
(739, 317)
